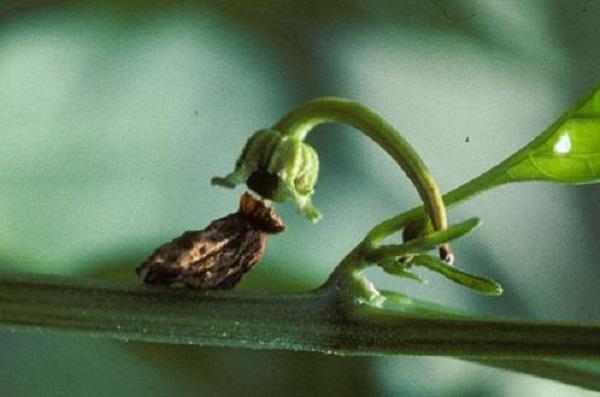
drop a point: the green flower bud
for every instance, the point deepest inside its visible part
(279, 168)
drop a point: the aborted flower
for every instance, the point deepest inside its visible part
(279, 168)
(219, 255)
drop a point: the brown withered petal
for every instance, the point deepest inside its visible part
(219, 255)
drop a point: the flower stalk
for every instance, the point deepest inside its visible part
(280, 166)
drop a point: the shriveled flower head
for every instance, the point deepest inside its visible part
(279, 168)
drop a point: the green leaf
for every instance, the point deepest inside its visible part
(424, 243)
(478, 283)
(568, 151)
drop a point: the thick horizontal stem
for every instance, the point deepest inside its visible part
(323, 321)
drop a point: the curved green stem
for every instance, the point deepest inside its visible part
(497, 175)
(305, 117)
(494, 177)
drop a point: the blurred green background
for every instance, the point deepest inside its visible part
(114, 117)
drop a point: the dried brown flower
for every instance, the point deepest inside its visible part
(217, 256)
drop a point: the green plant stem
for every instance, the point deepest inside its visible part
(325, 321)
(305, 117)
(494, 177)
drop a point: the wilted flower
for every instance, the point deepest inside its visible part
(279, 168)
(217, 256)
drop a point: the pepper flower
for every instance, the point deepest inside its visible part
(278, 167)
